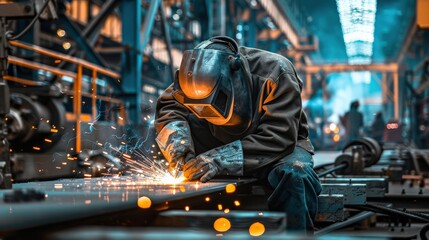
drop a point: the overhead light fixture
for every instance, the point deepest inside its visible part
(66, 45)
(61, 33)
(357, 19)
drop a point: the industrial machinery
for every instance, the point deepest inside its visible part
(386, 187)
(13, 10)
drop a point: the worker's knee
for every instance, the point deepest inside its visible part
(291, 172)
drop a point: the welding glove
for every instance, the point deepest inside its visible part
(223, 160)
(175, 143)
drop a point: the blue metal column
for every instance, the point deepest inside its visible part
(131, 14)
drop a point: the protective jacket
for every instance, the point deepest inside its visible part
(278, 123)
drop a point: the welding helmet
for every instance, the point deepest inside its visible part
(208, 77)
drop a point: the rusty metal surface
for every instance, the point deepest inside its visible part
(330, 208)
(73, 199)
(375, 186)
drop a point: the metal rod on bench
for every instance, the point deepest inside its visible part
(331, 170)
(356, 218)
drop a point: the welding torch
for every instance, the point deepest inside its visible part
(175, 170)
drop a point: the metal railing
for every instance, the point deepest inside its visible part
(77, 76)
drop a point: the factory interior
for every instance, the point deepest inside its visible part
(80, 83)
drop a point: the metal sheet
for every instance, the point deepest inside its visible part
(73, 199)
(375, 187)
(353, 193)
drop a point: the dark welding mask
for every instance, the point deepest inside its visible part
(205, 78)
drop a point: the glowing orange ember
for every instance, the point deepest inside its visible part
(236, 203)
(222, 224)
(144, 202)
(230, 188)
(256, 229)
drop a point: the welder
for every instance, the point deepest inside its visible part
(237, 111)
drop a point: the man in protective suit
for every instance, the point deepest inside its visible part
(237, 111)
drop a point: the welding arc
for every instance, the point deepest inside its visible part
(392, 212)
(331, 170)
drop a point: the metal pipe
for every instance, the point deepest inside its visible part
(23, 81)
(356, 218)
(318, 167)
(339, 167)
(94, 95)
(394, 212)
(396, 94)
(63, 57)
(39, 66)
(77, 98)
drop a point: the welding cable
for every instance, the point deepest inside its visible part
(45, 5)
(331, 170)
(390, 211)
(336, 226)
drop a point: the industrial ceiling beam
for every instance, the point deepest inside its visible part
(389, 67)
(330, 68)
(92, 29)
(91, 32)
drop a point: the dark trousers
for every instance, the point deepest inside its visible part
(296, 187)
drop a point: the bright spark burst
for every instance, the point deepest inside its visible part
(142, 168)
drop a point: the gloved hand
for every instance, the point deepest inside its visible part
(176, 144)
(223, 160)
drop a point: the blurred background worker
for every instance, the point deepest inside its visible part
(377, 127)
(237, 111)
(353, 121)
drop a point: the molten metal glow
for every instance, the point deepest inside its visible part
(230, 188)
(144, 202)
(256, 229)
(222, 224)
(168, 179)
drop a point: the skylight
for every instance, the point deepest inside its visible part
(357, 19)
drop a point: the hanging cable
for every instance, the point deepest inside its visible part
(45, 5)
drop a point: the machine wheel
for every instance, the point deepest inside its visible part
(372, 150)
